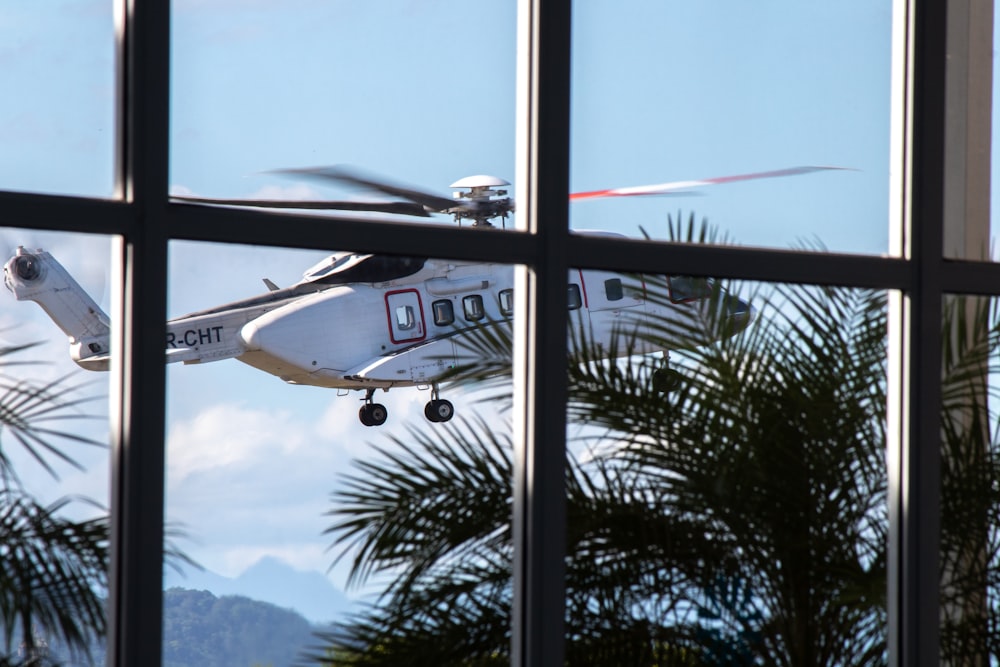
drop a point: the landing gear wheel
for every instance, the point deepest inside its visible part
(439, 410)
(666, 380)
(373, 414)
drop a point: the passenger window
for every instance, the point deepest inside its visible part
(613, 289)
(444, 312)
(473, 307)
(507, 301)
(575, 300)
(405, 319)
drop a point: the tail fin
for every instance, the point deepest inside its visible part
(37, 276)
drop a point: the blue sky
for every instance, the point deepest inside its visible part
(422, 91)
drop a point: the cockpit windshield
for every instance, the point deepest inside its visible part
(689, 288)
(329, 264)
(357, 268)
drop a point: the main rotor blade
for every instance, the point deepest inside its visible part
(685, 187)
(400, 207)
(341, 175)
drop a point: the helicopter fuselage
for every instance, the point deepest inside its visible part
(372, 322)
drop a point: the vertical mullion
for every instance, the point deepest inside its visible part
(916, 608)
(539, 516)
(138, 378)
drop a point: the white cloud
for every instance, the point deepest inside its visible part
(226, 435)
(242, 483)
(247, 479)
(340, 423)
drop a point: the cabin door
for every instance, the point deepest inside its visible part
(406, 316)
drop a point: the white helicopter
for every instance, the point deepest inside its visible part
(367, 322)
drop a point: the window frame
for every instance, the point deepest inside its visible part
(544, 249)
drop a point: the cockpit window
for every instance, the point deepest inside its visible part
(368, 269)
(689, 288)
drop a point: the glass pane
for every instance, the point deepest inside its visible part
(969, 115)
(970, 541)
(54, 464)
(57, 120)
(970, 225)
(396, 93)
(727, 477)
(293, 488)
(744, 96)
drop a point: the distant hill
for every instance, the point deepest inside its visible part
(202, 630)
(266, 617)
(272, 580)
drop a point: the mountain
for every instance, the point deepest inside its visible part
(272, 580)
(201, 630)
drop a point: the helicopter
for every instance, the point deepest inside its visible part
(399, 321)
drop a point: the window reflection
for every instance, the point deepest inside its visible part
(736, 513)
(970, 453)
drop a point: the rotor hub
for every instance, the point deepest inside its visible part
(481, 200)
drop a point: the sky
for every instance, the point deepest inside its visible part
(422, 92)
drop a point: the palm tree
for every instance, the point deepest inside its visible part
(772, 449)
(739, 519)
(970, 484)
(53, 570)
(52, 573)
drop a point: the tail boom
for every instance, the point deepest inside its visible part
(37, 276)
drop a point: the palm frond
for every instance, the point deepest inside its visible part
(30, 410)
(52, 570)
